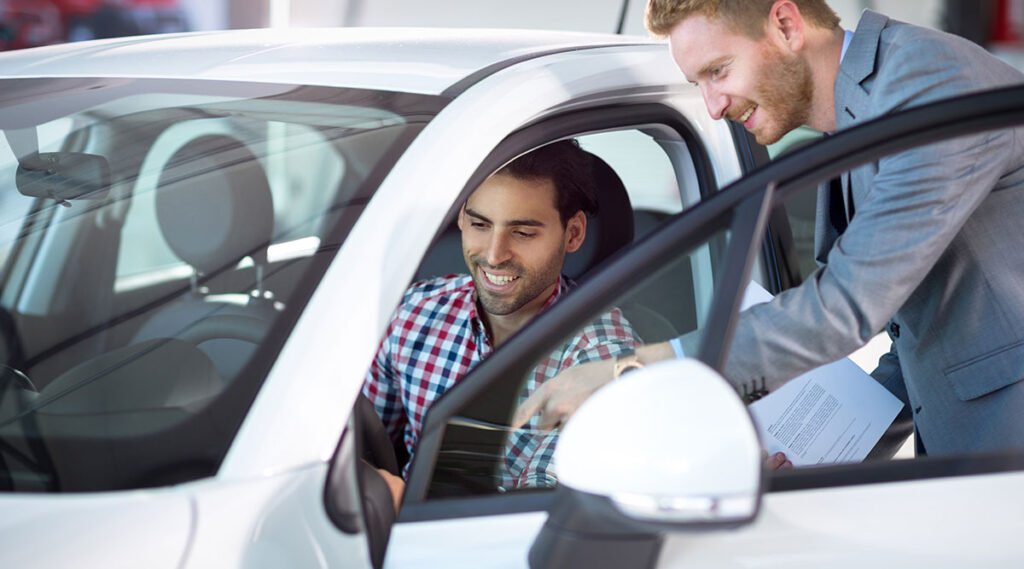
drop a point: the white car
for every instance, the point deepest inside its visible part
(203, 236)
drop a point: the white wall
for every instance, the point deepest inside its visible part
(205, 14)
(579, 15)
(921, 12)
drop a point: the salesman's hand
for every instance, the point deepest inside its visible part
(776, 461)
(558, 398)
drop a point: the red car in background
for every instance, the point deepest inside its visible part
(30, 23)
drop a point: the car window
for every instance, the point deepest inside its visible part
(153, 234)
(300, 163)
(475, 451)
(12, 208)
(800, 209)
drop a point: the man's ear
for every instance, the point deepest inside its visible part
(462, 217)
(575, 231)
(786, 24)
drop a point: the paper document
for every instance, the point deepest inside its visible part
(835, 413)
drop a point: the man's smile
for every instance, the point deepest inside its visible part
(745, 116)
(496, 282)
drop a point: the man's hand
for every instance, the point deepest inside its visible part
(558, 398)
(776, 461)
(395, 484)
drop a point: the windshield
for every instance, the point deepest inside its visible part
(157, 241)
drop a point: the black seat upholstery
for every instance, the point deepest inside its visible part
(214, 207)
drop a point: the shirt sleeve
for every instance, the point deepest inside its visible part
(602, 339)
(383, 388)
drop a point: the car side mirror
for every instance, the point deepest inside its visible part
(668, 447)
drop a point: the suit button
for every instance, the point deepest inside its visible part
(894, 328)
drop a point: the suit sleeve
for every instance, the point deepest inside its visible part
(915, 204)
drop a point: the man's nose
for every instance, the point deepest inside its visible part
(716, 102)
(498, 250)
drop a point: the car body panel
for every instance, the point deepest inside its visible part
(496, 542)
(74, 530)
(919, 524)
(426, 61)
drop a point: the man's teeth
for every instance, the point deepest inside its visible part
(746, 115)
(499, 280)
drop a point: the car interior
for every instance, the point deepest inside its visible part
(661, 309)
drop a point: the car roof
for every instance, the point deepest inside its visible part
(419, 60)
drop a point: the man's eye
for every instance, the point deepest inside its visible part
(478, 224)
(525, 234)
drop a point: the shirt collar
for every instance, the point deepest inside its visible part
(564, 284)
(847, 38)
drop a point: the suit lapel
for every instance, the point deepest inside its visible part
(835, 205)
(851, 97)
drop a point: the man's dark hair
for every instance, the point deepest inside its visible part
(568, 167)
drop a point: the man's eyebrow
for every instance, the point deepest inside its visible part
(481, 217)
(512, 223)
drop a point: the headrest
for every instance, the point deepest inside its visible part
(214, 205)
(607, 232)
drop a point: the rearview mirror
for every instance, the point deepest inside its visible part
(63, 176)
(667, 447)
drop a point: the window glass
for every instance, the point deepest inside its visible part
(800, 210)
(14, 206)
(643, 166)
(301, 167)
(155, 231)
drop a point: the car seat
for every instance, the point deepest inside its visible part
(608, 231)
(214, 208)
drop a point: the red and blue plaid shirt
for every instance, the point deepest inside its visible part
(436, 337)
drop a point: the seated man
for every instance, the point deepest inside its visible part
(517, 227)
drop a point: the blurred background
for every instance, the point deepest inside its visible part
(996, 24)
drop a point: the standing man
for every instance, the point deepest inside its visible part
(517, 227)
(925, 244)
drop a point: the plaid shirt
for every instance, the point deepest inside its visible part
(436, 337)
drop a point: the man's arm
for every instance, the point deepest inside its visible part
(558, 398)
(382, 387)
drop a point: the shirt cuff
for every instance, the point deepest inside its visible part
(677, 347)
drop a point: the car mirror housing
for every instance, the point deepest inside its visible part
(667, 447)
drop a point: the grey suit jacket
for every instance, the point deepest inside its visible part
(934, 253)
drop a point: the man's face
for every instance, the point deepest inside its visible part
(514, 243)
(758, 82)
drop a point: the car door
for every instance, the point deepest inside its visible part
(958, 510)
